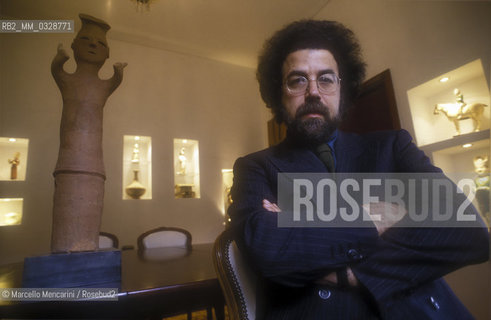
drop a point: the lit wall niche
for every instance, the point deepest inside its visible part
(465, 84)
(13, 159)
(137, 167)
(11, 211)
(186, 168)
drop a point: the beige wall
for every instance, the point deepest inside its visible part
(163, 95)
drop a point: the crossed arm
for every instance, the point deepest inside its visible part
(382, 225)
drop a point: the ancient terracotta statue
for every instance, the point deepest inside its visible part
(79, 173)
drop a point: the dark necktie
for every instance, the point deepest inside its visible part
(324, 153)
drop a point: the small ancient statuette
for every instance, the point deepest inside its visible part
(13, 165)
(182, 162)
(461, 111)
(135, 157)
(459, 97)
(481, 167)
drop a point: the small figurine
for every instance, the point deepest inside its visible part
(460, 98)
(481, 165)
(461, 111)
(14, 163)
(135, 157)
(182, 162)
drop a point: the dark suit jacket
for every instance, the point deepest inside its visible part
(400, 272)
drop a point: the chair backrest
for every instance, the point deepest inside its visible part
(108, 240)
(164, 237)
(237, 279)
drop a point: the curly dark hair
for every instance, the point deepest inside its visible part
(310, 34)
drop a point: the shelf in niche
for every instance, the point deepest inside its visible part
(460, 163)
(456, 141)
(13, 158)
(451, 156)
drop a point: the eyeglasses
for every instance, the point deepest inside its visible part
(327, 83)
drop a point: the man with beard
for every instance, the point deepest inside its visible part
(309, 73)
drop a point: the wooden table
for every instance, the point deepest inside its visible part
(159, 283)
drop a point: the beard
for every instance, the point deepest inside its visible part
(311, 132)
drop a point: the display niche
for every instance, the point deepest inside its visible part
(11, 211)
(451, 116)
(451, 105)
(186, 168)
(470, 160)
(137, 167)
(13, 159)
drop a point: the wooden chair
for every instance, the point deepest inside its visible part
(237, 279)
(108, 240)
(164, 237)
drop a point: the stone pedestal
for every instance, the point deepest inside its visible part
(96, 269)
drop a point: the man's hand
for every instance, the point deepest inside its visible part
(272, 207)
(332, 279)
(384, 215)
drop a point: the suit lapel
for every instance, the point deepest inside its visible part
(354, 154)
(291, 159)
